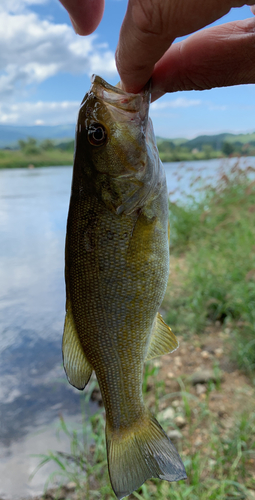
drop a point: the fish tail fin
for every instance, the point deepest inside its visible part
(139, 453)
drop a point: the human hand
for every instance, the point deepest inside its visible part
(215, 57)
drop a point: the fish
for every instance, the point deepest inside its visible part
(116, 273)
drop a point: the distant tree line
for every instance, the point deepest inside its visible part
(204, 147)
(31, 146)
(200, 148)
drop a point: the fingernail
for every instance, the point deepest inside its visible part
(119, 85)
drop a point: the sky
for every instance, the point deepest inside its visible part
(45, 71)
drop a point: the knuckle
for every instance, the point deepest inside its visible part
(150, 17)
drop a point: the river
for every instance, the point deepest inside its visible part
(33, 388)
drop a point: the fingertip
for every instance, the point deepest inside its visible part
(132, 61)
(253, 9)
(85, 15)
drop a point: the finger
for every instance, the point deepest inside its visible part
(215, 57)
(85, 15)
(253, 9)
(149, 28)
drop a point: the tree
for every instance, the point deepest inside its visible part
(29, 146)
(227, 148)
(208, 150)
(47, 144)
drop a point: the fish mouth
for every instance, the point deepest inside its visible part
(136, 104)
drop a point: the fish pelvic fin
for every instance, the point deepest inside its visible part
(162, 339)
(139, 453)
(78, 369)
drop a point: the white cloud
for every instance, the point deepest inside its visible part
(39, 113)
(179, 102)
(14, 6)
(33, 49)
(217, 107)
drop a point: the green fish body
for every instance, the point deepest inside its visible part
(117, 265)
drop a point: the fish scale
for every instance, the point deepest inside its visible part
(117, 265)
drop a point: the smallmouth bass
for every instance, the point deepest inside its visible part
(117, 265)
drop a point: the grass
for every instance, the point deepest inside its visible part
(86, 463)
(221, 467)
(213, 241)
(213, 280)
(21, 159)
(39, 157)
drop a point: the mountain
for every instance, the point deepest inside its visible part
(10, 134)
(216, 141)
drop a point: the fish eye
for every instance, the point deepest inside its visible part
(97, 134)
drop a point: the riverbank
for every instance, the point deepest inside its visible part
(20, 159)
(59, 157)
(206, 406)
(203, 394)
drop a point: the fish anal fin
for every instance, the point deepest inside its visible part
(142, 452)
(162, 339)
(78, 369)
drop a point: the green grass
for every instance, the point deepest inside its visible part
(86, 462)
(184, 154)
(222, 468)
(214, 238)
(40, 158)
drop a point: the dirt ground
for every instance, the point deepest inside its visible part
(206, 359)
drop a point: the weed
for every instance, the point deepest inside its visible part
(86, 463)
(223, 467)
(215, 234)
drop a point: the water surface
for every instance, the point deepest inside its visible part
(33, 387)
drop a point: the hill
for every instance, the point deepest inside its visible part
(10, 134)
(35, 140)
(206, 147)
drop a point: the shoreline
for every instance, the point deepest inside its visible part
(67, 160)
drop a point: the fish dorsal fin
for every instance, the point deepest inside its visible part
(162, 340)
(77, 367)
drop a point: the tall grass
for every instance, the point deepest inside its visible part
(215, 235)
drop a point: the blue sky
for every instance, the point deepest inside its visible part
(45, 71)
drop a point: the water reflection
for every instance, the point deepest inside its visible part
(33, 389)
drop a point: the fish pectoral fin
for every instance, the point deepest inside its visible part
(162, 340)
(78, 369)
